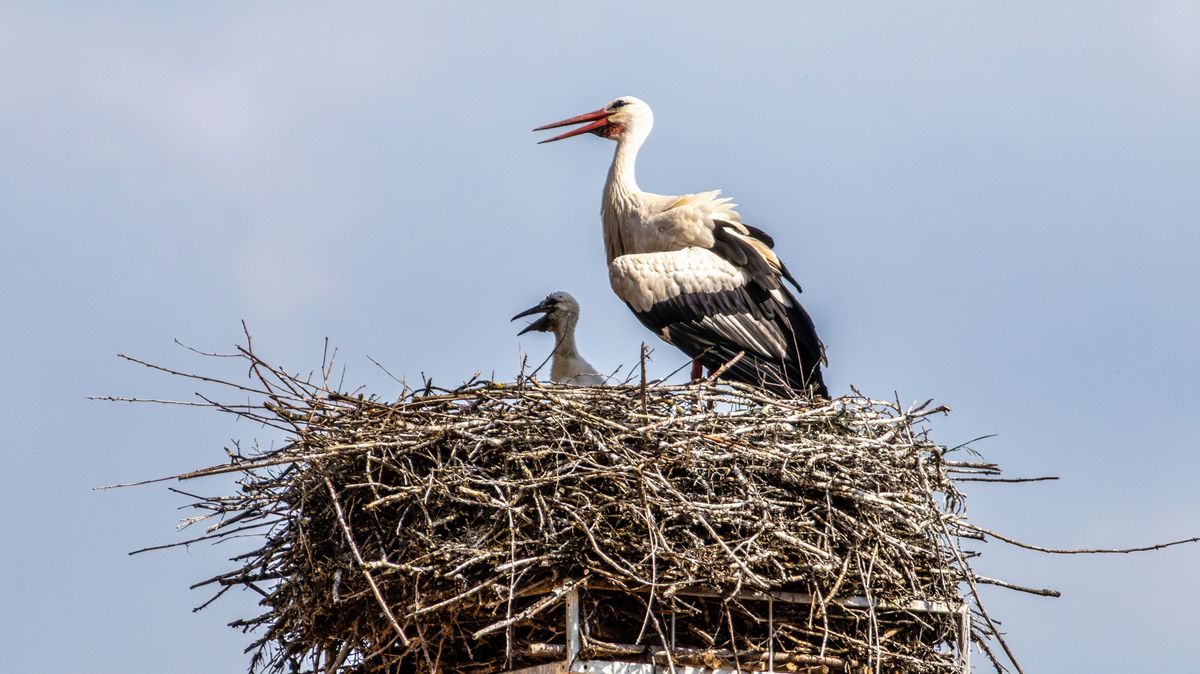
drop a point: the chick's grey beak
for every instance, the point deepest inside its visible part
(542, 324)
(539, 308)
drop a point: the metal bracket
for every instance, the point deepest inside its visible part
(571, 664)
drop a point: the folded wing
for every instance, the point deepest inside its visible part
(713, 303)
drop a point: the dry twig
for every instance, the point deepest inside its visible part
(440, 531)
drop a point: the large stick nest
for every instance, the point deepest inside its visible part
(445, 531)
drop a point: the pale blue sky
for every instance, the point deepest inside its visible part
(994, 205)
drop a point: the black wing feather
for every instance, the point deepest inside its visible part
(713, 328)
(740, 254)
(737, 251)
(760, 235)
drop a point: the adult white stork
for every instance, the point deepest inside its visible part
(561, 313)
(694, 273)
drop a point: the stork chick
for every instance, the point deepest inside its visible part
(560, 314)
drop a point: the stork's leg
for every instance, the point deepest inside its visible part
(697, 371)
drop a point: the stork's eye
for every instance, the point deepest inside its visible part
(619, 104)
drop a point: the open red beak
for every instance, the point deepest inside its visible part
(598, 119)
